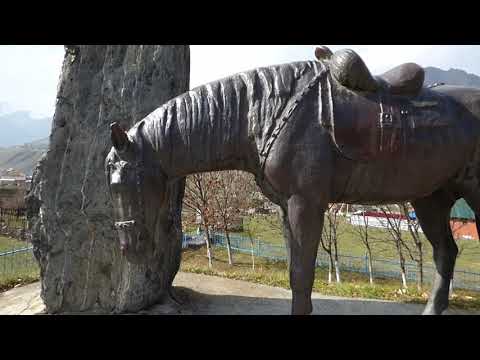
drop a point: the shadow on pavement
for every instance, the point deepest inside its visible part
(196, 303)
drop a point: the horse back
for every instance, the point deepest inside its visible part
(381, 126)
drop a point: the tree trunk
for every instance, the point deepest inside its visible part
(403, 270)
(337, 271)
(404, 273)
(209, 246)
(70, 211)
(421, 269)
(253, 254)
(229, 250)
(370, 265)
(420, 273)
(335, 249)
(330, 268)
(404, 280)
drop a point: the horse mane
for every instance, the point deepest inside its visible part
(262, 93)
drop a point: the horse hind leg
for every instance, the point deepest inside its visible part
(433, 213)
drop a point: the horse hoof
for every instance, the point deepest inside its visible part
(431, 310)
(302, 307)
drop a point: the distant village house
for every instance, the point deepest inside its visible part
(13, 188)
(462, 220)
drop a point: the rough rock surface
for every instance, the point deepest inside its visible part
(69, 210)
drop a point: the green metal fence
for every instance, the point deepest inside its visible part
(382, 268)
(17, 265)
(17, 262)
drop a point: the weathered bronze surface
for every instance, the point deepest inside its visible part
(312, 133)
(348, 69)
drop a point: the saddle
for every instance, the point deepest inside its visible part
(348, 68)
(389, 111)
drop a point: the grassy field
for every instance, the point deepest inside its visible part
(353, 285)
(267, 229)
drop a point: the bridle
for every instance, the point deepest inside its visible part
(138, 167)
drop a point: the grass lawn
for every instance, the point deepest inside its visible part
(267, 228)
(16, 269)
(7, 244)
(353, 285)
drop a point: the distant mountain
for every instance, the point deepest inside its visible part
(451, 77)
(20, 127)
(5, 108)
(25, 157)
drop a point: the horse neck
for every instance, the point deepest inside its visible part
(206, 129)
(224, 124)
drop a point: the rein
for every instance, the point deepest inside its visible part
(326, 117)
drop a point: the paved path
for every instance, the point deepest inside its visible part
(209, 295)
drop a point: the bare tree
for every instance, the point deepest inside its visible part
(199, 199)
(224, 203)
(329, 240)
(393, 223)
(232, 194)
(362, 230)
(417, 255)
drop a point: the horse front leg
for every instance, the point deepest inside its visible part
(303, 222)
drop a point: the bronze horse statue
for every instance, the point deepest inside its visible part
(312, 133)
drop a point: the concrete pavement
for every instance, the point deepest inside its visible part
(210, 295)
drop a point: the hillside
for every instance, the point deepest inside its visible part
(20, 127)
(451, 77)
(23, 158)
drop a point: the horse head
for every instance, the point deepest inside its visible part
(137, 189)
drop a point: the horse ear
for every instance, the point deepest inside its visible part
(119, 137)
(323, 53)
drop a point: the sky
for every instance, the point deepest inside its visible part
(29, 74)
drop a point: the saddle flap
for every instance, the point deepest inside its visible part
(371, 127)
